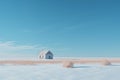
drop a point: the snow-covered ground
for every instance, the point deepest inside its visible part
(57, 72)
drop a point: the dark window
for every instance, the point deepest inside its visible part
(50, 57)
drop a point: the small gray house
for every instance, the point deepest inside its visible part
(46, 54)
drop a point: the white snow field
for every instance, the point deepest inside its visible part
(57, 72)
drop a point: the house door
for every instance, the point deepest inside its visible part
(50, 57)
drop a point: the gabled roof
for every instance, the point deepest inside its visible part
(44, 52)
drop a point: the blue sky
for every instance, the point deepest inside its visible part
(70, 28)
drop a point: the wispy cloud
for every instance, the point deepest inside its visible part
(11, 48)
(11, 45)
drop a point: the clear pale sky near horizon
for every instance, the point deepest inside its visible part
(69, 28)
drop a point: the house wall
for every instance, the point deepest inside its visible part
(49, 56)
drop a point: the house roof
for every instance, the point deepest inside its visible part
(44, 52)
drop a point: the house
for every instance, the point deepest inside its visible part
(46, 54)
